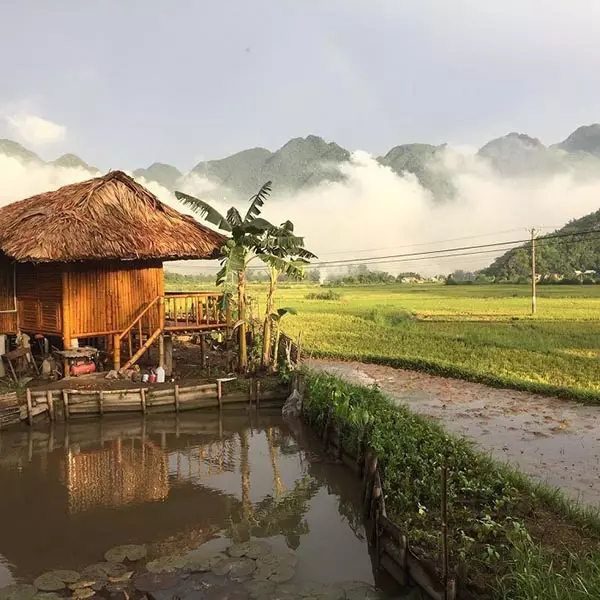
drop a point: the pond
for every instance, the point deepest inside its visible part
(177, 486)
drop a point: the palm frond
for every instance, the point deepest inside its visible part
(205, 210)
(257, 201)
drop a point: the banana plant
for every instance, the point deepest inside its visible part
(276, 318)
(247, 235)
(282, 252)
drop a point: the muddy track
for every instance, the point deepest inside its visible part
(552, 440)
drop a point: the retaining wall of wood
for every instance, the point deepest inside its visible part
(64, 404)
(388, 541)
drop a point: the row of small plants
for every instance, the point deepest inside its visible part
(497, 518)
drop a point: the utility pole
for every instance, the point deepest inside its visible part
(533, 274)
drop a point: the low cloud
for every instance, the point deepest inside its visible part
(376, 212)
(35, 130)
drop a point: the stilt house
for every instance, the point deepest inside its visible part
(86, 262)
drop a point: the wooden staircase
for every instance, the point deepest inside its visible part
(177, 312)
(140, 335)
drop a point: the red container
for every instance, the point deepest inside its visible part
(83, 368)
(152, 378)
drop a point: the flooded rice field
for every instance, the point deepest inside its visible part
(552, 440)
(238, 506)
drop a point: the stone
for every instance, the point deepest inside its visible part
(358, 590)
(257, 548)
(131, 552)
(293, 405)
(112, 374)
(18, 591)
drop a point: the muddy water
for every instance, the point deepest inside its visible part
(552, 440)
(70, 492)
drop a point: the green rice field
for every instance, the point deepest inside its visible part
(477, 332)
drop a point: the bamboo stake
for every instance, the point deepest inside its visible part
(143, 400)
(66, 404)
(219, 392)
(29, 407)
(177, 398)
(444, 515)
(258, 393)
(50, 401)
(101, 403)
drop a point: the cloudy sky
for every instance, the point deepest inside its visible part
(124, 83)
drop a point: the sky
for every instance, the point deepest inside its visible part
(126, 83)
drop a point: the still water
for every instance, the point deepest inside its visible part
(71, 491)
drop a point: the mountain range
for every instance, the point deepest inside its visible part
(305, 162)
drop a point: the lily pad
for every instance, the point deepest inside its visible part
(358, 590)
(242, 569)
(82, 583)
(202, 561)
(18, 591)
(260, 590)
(257, 548)
(227, 592)
(83, 593)
(223, 566)
(53, 581)
(122, 579)
(47, 596)
(104, 570)
(131, 552)
(282, 574)
(166, 564)
(151, 582)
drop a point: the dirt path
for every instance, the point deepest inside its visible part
(551, 440)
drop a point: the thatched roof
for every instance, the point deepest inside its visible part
(108, 217)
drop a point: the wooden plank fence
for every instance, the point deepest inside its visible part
(64, 404)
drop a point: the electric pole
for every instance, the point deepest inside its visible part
(533, 275)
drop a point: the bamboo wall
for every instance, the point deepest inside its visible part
(39, 293)
(8, 321)
(104, 298)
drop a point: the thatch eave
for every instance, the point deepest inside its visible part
(106, 218)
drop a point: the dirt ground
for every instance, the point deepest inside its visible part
(552, 440)
(187, 370)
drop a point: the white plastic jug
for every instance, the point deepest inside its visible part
(160, 375)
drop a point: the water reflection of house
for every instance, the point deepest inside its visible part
(116, 476)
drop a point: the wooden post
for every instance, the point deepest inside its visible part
(299, 348)
(202, 353)
(50, 401)
(117, 352)
(66, 316)
(66, 404)
(29, 407)
(177, 398)
(101, 403)
(444, 516)
(220, 393)
(161, 351)
(143, 400)
(258, 393)
(250, 390)
(168, 343)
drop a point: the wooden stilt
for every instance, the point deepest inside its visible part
(177, 398)
(220, 393)
(101, 403)
(143, 400)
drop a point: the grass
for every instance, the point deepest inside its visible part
(509, 538)
(479, 333)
